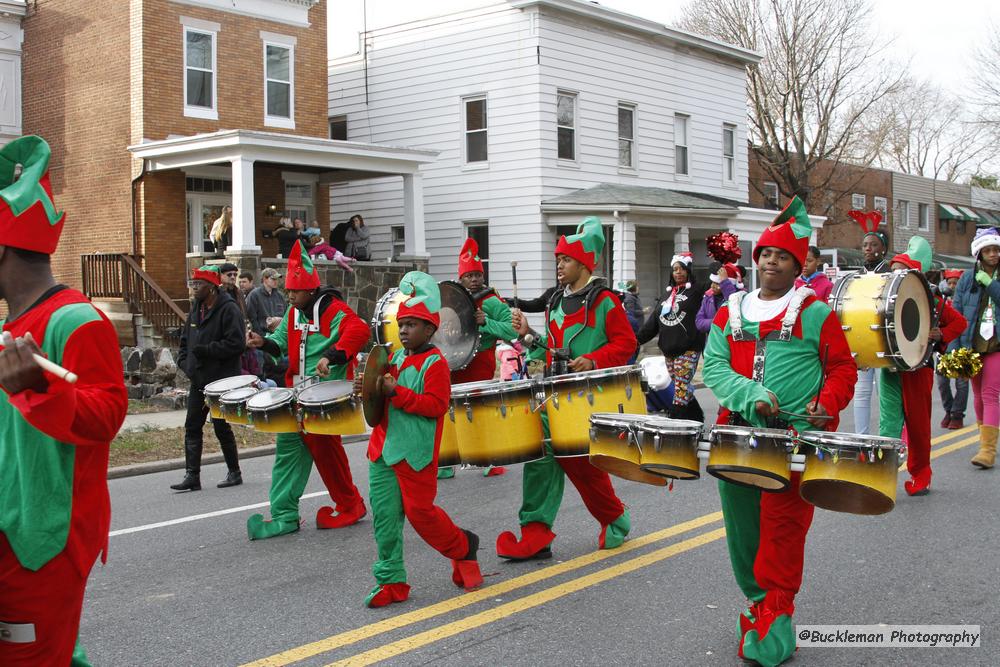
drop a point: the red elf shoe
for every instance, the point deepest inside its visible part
(465, 572)
(325, 517)
(534, 544)
(385, 594)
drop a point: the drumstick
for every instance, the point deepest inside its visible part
(50, 366)
(513, 271)
(822, 376)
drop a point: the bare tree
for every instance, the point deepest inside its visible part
(988, 79)
(823, 71)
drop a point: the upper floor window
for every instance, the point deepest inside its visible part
(566, 125)
(903, 211)
(626, 135)
(475, 129)
(338, 128)
(882, 204)
(923, 217)
(681, 144)
(729, 153)
(771, 195)
(858, 202)
(200, 74)
(279, 73)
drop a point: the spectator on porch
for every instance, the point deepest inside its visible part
(312, 230)
(356, 239)
(287, 234)
(222, 231)
(320, 248)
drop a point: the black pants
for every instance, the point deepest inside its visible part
(194, 424)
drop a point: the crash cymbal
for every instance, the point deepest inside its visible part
(372, 396)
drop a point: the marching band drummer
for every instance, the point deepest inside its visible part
(906, 395)
(766, 354)
(321, 336)
(403, 451)
(493, 317)
(587, 320)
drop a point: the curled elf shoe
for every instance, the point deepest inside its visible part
(613, 535)
(494, 471)
(385, 594)
(258, 529)
(465, 572)
(534, 544)
(919, 484)
(327, 518)
(771, 641)
(446, 473)
(748, 617)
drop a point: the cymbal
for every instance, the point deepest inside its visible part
(372, 396)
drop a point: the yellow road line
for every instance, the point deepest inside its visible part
(445, 606)
(527, 602)
(941, 451)
(953, 434)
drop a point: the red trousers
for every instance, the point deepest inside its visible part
(334, 468)
(50, 600)
(918, 388)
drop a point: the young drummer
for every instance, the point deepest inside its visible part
(906, 395)
(766, 353)
(321, 336)
(493, 317)
(586, 318)
(403, 451)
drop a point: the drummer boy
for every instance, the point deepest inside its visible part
(775, 351)
(322, 336)
(403, 451)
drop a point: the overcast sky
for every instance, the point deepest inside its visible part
(937, 38)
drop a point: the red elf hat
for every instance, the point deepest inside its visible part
(425, 298)
(586, 245)
(790, 231)
(210, 274)
(300, 274)
(28, 216)
(468, 259)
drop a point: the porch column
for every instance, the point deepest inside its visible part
(413, 216)
(244, 224)
(624, 251)
(682, 240)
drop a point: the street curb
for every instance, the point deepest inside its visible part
(215, 457)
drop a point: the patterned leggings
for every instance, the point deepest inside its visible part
(682, 370)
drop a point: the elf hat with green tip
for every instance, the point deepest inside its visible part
(28, 216)
(586, 245)
(468, 259)
(300, 274)
(425, 298)
(210, 274)
(917, 255)
(790, 231)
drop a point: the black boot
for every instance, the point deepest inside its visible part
(473, 544)
(234, 478)
(191, 482)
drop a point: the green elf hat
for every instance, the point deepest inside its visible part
(28, 216)
(790, 231)
(425, 298)
(301, 274)
(917, 255)
(586, 245)
(210, 274)
(468, 259)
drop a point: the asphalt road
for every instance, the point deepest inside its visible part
(184, 586)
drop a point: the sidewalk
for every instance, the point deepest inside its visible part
(153, 421)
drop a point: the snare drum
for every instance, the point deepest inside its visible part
(571, 399)
(848, 472)
(616, 447)
(329, 408)
(233, 405)
(748, 456)
(886, 317)
(670, 447)
(273, 411)
(448, 453)
(214, 390)
(497, 423)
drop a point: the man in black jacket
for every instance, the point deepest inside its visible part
(211, 344)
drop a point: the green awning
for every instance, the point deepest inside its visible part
(953, 212)
(987, 217)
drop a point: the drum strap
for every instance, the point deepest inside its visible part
(306, 328)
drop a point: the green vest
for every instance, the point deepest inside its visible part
(410, 437)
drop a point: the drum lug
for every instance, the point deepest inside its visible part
(451, 413)
(590, 396)
(628, 394)
(656, 442)
(503, 411)
(845, 327)
(593, 435)
(468, 411)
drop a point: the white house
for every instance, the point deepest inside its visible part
(544, 112)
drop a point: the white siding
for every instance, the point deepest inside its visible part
(916, 190)
(984, 198)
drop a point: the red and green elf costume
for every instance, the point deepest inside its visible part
(591, 323)
(333, 330)
(744, 360)
(905, 396)
(54, 504)
(403, 453)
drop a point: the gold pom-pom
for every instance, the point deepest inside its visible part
(960, 363)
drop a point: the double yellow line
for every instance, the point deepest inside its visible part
(532, 600)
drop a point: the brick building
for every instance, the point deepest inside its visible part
(162, 112)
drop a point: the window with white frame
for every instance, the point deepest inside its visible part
(300, 200)
(480, 232)
(681, 144)
(626, 135)
(728, 153)
(881, 204)
(397, 237)
(902, 213)
(566, 125)
(475, 129)
(923, 217)
(338, 128)
(858, 202)
(772, 195)
(279, 92)
(200, 73)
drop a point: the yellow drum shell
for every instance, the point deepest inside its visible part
(273, 411)
(615, 448)
(496, 423)
(448, 453)
(670, 448)
(572, 399)
(765, 466)
(384, 320)
(327, 408)
(233, 405)
(848, 484)
(214, 390)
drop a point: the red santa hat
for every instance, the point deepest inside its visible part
(468, 259)
(790, 231)
(210, 274)
(28, 216)
(301, 274)
(948, 274)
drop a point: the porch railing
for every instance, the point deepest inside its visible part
(119, 276)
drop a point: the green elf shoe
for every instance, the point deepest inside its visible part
(773, 648)
(79, 658)
(258, 529)
(613, 535)
(446, 473)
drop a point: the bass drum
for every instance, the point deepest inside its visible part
(886, 317)
(384, 321)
